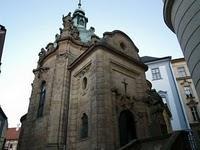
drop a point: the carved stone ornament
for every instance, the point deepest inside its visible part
(192, 103)
(57, 36)
(40, 70)
(83, 70)
(42, 53)
(69, 29)
(67, 21)
(75, 33)
(123, 100)
(50, 47)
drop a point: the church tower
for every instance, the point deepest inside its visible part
(89, 93)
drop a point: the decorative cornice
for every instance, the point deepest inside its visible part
(123, 67)
(83, 70)
(183, 78)
(47, 53)
(108, 48)
(178, 60)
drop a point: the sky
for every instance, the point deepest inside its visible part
(32, 24)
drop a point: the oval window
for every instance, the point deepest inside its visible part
(122, 45)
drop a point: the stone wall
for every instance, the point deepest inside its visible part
(175, 141)
(105, 73)
(49, 131)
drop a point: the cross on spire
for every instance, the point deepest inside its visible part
(125, 86)
(79, 4)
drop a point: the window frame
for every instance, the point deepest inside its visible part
(156, 75)
(188, 91)
(41, 99)
(84, 126)
(181, 71)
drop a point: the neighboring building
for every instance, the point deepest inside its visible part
(2, 39)
(12, 136)
(161, 76)
(3, 127)
(188, 93)
(90, 93)
(182, 17)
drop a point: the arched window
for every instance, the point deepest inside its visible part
(84, 83)
(84, 126)
(42, 99)
(122, 45)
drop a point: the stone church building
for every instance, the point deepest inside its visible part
(90, 93)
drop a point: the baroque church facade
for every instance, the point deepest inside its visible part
(90, 93)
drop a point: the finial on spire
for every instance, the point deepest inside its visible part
(79, 4)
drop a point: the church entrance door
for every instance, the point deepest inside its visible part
(126, 127)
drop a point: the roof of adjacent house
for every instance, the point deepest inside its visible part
(2, 28)
(178, 60)
(12, 133)
(146, 59)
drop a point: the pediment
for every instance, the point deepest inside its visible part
(122, 42)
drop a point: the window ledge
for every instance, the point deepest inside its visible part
(157, 79)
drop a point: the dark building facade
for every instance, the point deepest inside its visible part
(2, 39)
(3, 127)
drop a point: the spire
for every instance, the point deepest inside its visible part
(79, 4)
(79, 18)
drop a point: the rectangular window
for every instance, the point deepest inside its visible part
(188, 91)
(181, 72)
(195, 114)
(156, 74)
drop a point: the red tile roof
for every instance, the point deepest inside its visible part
(12, 134)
